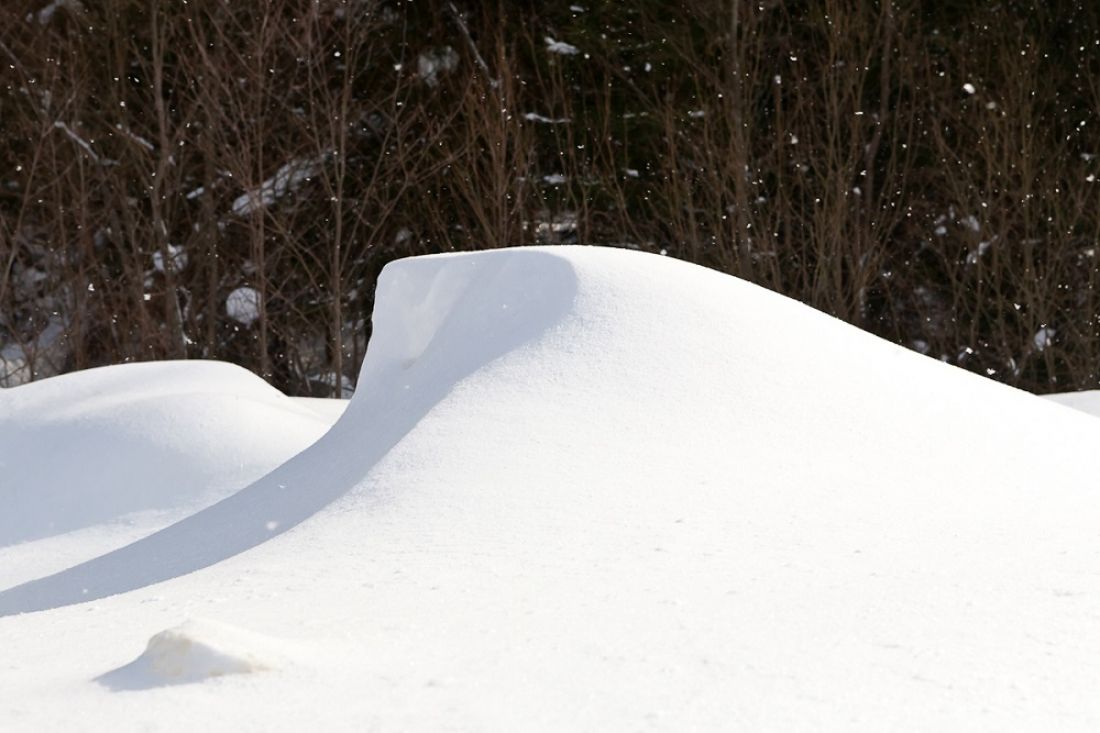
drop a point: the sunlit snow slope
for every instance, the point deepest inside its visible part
(92, 460)
(94, 456)
(596, 489)
(98, 444)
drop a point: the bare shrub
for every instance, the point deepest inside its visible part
(924, 172)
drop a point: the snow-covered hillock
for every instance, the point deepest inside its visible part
(128, 446)
(596, 489)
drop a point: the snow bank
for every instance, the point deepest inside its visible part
(99, 445)
(589, 489)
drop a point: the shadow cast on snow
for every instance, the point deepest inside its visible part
(438, 320)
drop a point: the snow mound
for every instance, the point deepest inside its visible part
(99, 445)
(580, 488)
(197, 650)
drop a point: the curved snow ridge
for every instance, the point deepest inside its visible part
(96, 446)
(77, 391)
(437, 320)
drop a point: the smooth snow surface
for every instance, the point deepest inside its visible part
(328, 409)
(115, 452)
(1087, 401)
(594, 489)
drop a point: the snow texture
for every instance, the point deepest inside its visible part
(1087, 401)
(243, 305)
(595, 489)
(134, 442)
(195, 651)
(327, 409)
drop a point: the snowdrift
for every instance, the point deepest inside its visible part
(587, 488)
(134, 445)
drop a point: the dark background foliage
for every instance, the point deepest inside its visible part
(924, 171)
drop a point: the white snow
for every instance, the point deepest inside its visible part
(43, 356)
(431, 64)
(288, 178)
(536, 117)
(1087, 401)
(976, 254)
(560, 47)
(328, 409)
(1043, 337)
(196, 650)
(45, 15)
(177, 259)
(580, 488)
(135, 138)
(115, 452)
(243, 305)
(75, 137)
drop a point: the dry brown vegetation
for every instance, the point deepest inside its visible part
(925, 173)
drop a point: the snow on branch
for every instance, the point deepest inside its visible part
(473, 46)
(64, 127)
(288, 178)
